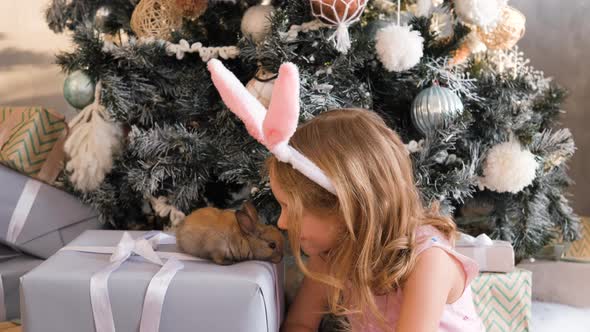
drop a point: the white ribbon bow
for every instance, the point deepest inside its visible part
(154, 299)
(482, 240)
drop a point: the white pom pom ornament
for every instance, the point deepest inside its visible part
(398, 47)
(483, 13)
(508, 168)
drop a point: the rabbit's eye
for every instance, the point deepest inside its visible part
(272, 245)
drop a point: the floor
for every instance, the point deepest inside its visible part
(549, 317)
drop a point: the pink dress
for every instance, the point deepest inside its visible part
(459, 316)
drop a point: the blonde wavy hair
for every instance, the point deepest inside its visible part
(377, 201)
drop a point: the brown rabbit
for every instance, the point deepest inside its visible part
(227, 236)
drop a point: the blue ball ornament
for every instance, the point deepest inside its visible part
(79, 89)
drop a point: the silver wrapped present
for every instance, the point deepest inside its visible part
(12, 267)
(38, 218)
(134, 281)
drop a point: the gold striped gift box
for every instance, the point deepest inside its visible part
(31, 141)
(504, 300)
(580, 249)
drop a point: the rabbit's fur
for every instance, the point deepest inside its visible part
(227, 237)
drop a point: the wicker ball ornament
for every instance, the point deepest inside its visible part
(341, 14)
(261, 86)
(156, 18)
(510, 29)
(192, 9)
(434, 107)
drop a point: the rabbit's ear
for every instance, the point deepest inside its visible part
(283, 112)
(250, 210)
(247, 225)
(238, 99)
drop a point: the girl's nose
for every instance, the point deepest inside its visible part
(282, 222)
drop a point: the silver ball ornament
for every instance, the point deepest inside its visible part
(79, 89)
(434, 107)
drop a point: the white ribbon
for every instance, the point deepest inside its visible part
(154, 300)
(22, 209)
(479, 245)
(482, 240)
(156, 292)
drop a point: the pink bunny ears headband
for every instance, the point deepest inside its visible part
(274, 128)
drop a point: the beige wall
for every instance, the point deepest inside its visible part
(556, 41)
(27, 48)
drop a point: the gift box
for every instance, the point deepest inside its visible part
(503, 300)
(32, 140)
(200, 296)
(11, 269)
(38, 218)
(490, 255)
(560, 281)
(580, 249)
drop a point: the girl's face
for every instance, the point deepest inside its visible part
(319, 232)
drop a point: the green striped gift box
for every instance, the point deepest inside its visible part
(503, 300)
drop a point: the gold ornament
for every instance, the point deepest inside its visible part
(508, 32)
(155, 18)
(261, 86)
(470, 45)
(460, 55)
(192, 9)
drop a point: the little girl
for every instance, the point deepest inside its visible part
(374, 253)
(345, 184)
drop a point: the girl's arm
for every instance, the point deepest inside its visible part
(306, 311)
(437, 279)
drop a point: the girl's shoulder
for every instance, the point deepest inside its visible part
(428, 236)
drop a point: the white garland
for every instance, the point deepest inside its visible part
(163, 209)
(179, 50)
(295, 29)
(206, 53)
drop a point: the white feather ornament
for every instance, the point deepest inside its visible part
(398, 47)
(94, 139)
(508, 167)
(483, 13)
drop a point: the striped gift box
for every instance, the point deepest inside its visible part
(31, 141)
(580, 250)
(503, 300)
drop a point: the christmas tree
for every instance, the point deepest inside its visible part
(157, 142)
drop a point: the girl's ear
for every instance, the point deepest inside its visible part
(238, 99)
(283, 112)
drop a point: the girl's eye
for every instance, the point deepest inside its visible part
(272, 245)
